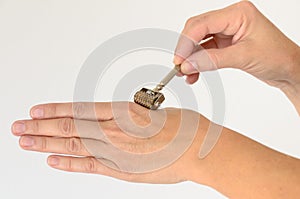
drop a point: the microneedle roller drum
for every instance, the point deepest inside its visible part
(152, 99)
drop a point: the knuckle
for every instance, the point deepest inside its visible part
(194, 24)
(134, 146)
(90, 166)
(44, 144)
(190, 22)
(66, 126)
(50, 109)
(246, 6)
(78, 109)
(69, 165)
(73, 145)
(35, 126)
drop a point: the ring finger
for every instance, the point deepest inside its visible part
(71, 146)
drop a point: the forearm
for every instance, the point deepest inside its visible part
(239, 167)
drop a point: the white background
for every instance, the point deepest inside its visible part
(42, 47)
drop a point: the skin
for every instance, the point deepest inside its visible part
(238, 167)
(240, 37)
(56, 132)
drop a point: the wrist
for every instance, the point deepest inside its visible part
(292, 87)
(294, 63)
(198, 169)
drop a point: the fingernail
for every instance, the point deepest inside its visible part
(38, 113)
(19, 128)
(188, 67)
(27, 141)
(53, 161)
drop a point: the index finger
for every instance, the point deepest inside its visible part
(227, 21)
(79, 110)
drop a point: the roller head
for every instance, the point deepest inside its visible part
(149, 98)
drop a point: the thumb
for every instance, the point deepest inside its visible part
(212, 59)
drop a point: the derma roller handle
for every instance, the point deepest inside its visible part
(167, 78)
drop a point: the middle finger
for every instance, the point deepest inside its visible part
(62, 127)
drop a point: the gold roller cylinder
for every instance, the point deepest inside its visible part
(152, 99)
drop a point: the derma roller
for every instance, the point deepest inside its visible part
(152, 99)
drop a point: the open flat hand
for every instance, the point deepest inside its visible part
(121, 139)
